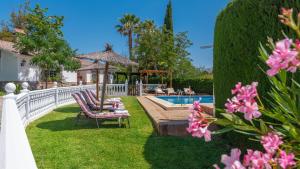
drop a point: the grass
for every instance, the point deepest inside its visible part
(2, 93)
(58, 143)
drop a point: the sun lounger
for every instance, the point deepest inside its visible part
(118, 115)
(159, 91)
(94, 106)
(188, 91)
(171, 91)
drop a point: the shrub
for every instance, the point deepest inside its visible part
(198, 85)
(239, 30)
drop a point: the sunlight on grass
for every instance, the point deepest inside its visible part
(58, 143)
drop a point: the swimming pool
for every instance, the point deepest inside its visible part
(186, 99)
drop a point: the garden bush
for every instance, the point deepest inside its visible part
(197, 85)
(239, 30)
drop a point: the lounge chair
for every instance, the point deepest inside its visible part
(93, 106)
(109, 101)
(188, 91)
(159, 91)
(171, 91)
(118, 115)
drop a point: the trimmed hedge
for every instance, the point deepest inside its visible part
(239, 29)
(198, 85)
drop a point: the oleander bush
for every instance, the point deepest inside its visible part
(240, 28)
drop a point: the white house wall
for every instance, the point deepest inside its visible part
(69, 77)
(27, 72)
(8, 67)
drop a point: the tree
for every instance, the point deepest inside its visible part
(17, 20)
(168, 21)
(127, 27)
(43, 38)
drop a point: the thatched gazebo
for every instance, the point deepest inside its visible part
(108, 56)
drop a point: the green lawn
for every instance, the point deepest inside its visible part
(57, 143)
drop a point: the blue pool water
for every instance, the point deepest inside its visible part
(186, 99)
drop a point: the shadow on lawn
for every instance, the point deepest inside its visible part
(182, 152)
(70, 124)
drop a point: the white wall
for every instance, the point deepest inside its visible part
(27, 72)
(8, 66)
(69, 77)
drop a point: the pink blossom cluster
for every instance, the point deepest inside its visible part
(284, 57)
(259, 160)
(198, 124)
(244, 101)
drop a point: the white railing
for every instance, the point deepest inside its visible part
(19, 110)
(34, 104)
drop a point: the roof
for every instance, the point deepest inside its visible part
(9, 46)
(108, 56)
(94, 66)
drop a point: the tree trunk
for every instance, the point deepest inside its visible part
(46, 78)
(97, 84)
(104, 85)
(130, 45)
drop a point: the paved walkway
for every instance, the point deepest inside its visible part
(166, 122)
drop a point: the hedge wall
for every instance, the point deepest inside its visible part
(198, 85)
(239, 29)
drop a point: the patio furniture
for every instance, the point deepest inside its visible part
(159, 91)
(188, 91)
(93, 106)
(93, 98)
(171, 91)
(119, 115)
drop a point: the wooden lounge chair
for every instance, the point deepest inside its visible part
(109, 101)
(159, 91)
(188, 91)
(88, 113)
(92, 105)
(171, 91)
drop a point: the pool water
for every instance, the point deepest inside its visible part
(186, 99)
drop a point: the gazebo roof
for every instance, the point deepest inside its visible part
(108, 56)
(95, 66)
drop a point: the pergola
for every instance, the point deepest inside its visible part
(161, 73)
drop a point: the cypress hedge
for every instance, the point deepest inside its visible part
(239, 30)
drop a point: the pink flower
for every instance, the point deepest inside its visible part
(286, 160)
(198, 124)
(244, 101)
(271, 142)
(283, 57)
(232, 161)
(257, 160)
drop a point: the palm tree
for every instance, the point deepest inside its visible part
(128, 25)
(146, 26)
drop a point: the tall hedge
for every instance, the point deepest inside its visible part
(239, 29)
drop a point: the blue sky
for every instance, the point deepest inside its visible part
(89, 24)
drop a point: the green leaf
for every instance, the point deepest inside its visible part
(263, 126)
(234, 118)
(222, 131)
